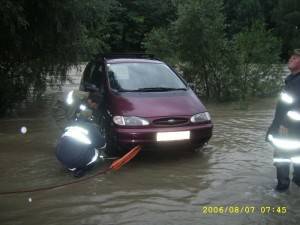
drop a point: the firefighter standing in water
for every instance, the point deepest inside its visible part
(284, 132)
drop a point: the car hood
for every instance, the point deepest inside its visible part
(155, 104)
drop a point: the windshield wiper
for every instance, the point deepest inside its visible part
(157, 89)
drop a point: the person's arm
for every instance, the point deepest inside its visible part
(280, 112)
(78, 97)
(294, 90)
(278, 118)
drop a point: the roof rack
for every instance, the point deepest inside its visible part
(126, 55)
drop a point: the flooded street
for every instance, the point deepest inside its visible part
(157, 187)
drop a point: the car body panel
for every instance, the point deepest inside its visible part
(153, 104)
(132, 60)
(127, 136)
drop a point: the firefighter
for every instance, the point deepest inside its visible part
(284, 132)
(81, 145)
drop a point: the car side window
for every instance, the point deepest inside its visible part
(97, 75)
(93, 74)
(86, 78)
(87, 74)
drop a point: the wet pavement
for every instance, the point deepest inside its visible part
(158, 187)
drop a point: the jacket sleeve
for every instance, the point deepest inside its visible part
(280, 111)
(294, 90)
(278, 118)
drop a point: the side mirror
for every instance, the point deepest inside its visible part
(90, 87)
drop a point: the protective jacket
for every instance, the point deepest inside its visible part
(77, 149)
(288, 105)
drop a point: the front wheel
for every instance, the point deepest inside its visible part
(112, 148)
(196, 149)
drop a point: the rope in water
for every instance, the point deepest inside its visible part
(114, 166)
(55, 186)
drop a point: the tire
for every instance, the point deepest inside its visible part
(196, 149)
(112, 148)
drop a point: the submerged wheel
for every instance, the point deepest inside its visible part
(112, 148)
(197, 149)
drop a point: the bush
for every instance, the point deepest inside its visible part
(258, 53)
(40, 40)
(222, 69)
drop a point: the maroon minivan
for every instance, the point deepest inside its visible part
(146, 103)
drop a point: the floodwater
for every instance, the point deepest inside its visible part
(158, 187)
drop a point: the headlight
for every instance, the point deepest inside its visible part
(286, 98)
(78, 133)
(130, 121)
(69, 99)
(284, 143)
(294, 115)
(200, 117)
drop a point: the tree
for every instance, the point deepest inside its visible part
(202, 46)
(131, 20)
(222, 68)
(39, 41)
(196, 43)
(258, 53)
(161, 43)
(287, 19)
(97, 30)
(241, 14)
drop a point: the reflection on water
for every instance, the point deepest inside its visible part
(158, 187)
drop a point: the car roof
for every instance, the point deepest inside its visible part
(132, 60)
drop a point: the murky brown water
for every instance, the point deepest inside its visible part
(158, 187)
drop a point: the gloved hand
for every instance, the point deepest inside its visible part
(271, 130)
(267, 134)
(281, 131)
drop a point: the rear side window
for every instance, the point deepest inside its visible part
(93, 74)
(87, 73)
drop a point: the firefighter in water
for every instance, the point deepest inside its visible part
(81, 145)
(284, 132)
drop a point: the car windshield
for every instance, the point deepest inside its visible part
(143, 77)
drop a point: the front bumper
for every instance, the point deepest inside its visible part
(199, 134)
